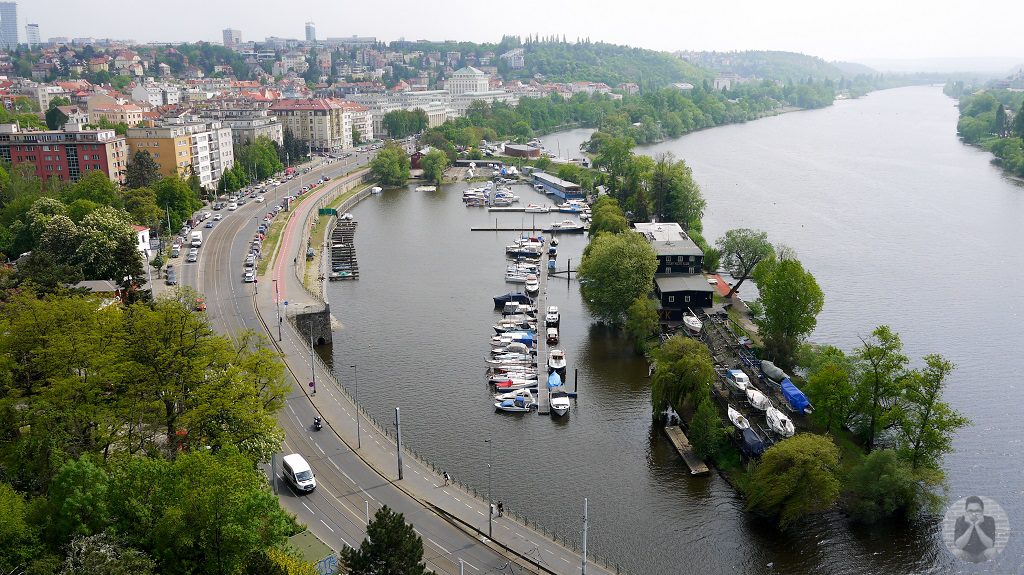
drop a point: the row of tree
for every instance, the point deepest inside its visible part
(253, 162)
(993, 119)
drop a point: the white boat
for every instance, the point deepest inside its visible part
(536, 209)
(376, 190)
(737, 379)
(692, 324)
(515, 308)
(565, 227)
(513, 376)
(500, 328)
(532, 284)
(779, 422)
(426, 188)
(523, 268)
(516, 277)
(518, 405)
(515, 347)
(738, 420)
(551, 319)
(552, 336)
(514, 384)
(757, 399)
(559, 402)
(556, 361)
(524, 393)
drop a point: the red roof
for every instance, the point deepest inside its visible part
(140, 228)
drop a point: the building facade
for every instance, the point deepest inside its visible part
(66, 154)
(157, 94)
(232, 37)
(468, 79)
(32, 36)
(187, 146)
(679, 284)
(310, 32)
(8, 25)
(325, 124)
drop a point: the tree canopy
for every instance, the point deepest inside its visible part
(391, 166)
(795, 477)
(143, 171)
(391, 546)
(683, 371)
(742, 249)
(434, 164)
(789, 303)
(614, 271)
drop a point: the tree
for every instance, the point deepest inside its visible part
(1018, 122)
(141, 204)
(706, 430)
(614, 271)
(683, 369)
(831, 390)
(434, 164)
(55, 118)
(275, 561)
(794, 478)
(607, 216)
(883, 487)
(642, 321)
(174, 195)
(391, 165)
(677, 197)
(108, 247)
(357, 137)
(790, 301)
(45, 274)
(742, 249)
(104, 554)
(391, 546)
(926, 423)
(882, 374)
(96, 187)
(78, 500)
(143, 171)
(17, 532)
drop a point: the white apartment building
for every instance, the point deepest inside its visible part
(468, 79)
(157, 94)
(325, 123)
(461, 102)
(435, 103)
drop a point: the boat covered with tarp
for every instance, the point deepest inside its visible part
(795, 398)
(752, 445)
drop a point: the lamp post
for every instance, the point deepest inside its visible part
(312, 352)
(277, 302)
(355, 399)
(490, 504)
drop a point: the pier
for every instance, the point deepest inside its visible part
(682, 444)
(540, 302)
(344, 265)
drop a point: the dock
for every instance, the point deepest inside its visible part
(543, 395)
(682, 444)
(501, 229)
(343, 251)
(505, 209)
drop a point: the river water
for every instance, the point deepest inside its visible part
(899, 222)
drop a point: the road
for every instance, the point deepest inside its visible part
(351, 480)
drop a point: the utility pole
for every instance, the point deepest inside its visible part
(584, 572)
(398, 449)
(355, 399)
(312, 359)
(277, 301)
(490, 502)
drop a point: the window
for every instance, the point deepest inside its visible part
(49, 158)
(668, 269)
(686, 299)
(671, 299)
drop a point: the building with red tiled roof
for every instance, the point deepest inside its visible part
(327, 124)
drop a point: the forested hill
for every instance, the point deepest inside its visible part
(775, 65)
(557, 59)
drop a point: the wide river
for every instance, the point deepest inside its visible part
(901, 225)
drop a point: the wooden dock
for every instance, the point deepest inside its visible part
(682, 444)
(497, 229)
(540, 302)
(343, 251)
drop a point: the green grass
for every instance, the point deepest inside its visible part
(270, 242)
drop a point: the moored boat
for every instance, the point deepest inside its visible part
(559, 402)
(737, 379)
(516, 297)
(532, 284)
(692, 324)
(757, 399)
(564, 227)
(552, 336)
(556, 362)
(517, 405)
(737, 419)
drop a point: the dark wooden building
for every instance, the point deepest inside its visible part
(678, 292)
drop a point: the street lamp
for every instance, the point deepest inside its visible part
(355, 399)
(490, 503)
(312, 352)
(277, 301)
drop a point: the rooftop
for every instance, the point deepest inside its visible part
(683, 282)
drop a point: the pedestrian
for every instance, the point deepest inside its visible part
(447, 478)
(501, 508)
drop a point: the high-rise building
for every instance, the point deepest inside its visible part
(232, 37)
(310, 32)
(8, 25)
(32, 35)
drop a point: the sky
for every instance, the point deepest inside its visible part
(858, 31)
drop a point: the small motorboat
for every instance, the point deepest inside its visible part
(516, 278)
(779, 422)
(772, 371)
(527, 337)
(514, 384)
(757, 399)
(551, 318)
(738, 420)
(536, 209)
(519, 393)
(692, 324)
(514, 347)
(551, 265)
(532, 284)
(552, 336)
(519, 405)
(516, 297)
(523, 267)
(559, 403)
(426, 188)
(564, 227)
(513, 376)
(556, 361)
(513, 308)
(554, 241)
(737, 379)
(376, 190)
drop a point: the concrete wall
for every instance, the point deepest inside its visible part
(315, 323)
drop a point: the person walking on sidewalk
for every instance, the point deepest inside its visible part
(447, 478)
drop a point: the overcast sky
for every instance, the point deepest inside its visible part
(835, 30)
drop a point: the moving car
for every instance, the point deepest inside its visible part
(298, 472)
(172, 276)
(218, 217)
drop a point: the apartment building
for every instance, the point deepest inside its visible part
(325, 123)
(104, 107)
(157, 94)
(183, 146)
(66, 154)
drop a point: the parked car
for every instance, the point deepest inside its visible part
(218, 217)
(209, 224)
(249, 277)
(259, 199)
(200, 304)
(172, 276)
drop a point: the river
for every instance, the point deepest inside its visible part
(900, 223)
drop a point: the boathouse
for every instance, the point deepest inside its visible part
(677, 292)
(558, 187)
(677, 253)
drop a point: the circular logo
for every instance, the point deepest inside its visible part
(975, 529)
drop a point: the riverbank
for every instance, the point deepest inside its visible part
(318, 237)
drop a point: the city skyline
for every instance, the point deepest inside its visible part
(871, 30)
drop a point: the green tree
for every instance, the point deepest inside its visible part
(104, 554)
(832, 393)
(883, 487)
(742, 249)
(1018, 122)
(434, 164)
(275, 561)
(642, 321)
(108, 247)
(143, 171)
(677, 197)
(706, 430)
(607, 216)
(795, 478)
(45, 274)
(174, 195)
(614, 271)
(391, 546)
(683, 369)
(96, 187)
(141, 204)
(17, 532)
(790, 301)
(78, 499)
(926, 423)
(391, 165)
(882, 368)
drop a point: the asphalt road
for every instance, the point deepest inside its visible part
(350, 484)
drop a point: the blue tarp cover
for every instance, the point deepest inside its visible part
(554, 380)
(507, 403)
(796, 398)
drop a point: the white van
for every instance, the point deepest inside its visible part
(299, 473)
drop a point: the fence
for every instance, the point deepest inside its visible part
(387, 430)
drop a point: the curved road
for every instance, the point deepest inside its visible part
(351, 480)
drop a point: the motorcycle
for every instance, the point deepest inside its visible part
(317, 424)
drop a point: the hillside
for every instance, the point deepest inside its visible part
(774, 65)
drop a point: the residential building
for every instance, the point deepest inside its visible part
(232, 38)
(32, 35)
(183, 146)
(468, 79)
(325, 124)
(66, 154)
(42, 94)
(461, 102)
(310, 32)
(247, 124)
(114, 111)
(8, 25)
(515, 58)
(157, 94)
(75, 114)
(435, 103)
